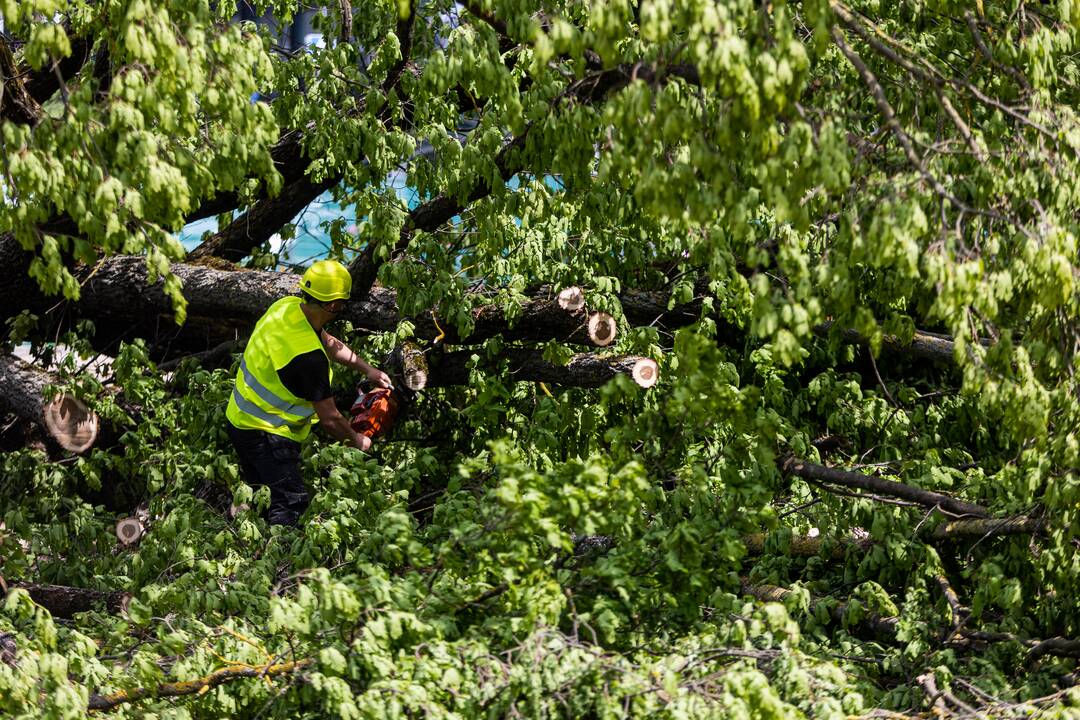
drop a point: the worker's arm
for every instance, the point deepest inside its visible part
(338, 427)
(341, 353)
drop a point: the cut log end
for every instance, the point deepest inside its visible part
(416, 379)
(645, 372)
(601, 329)
(71, 423)
(129, 530)
(572, 298)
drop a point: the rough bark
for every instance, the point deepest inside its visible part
(22, 391)
(825, 476)
(119, 287)
(64, 601)
(223, 305)
(587, 370)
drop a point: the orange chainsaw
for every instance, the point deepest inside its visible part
(373, 413)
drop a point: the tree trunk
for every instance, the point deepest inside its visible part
(16, 103)
(224, 305)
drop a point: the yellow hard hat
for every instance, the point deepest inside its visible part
(327, 280)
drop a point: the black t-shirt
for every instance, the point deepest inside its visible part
(307, 376)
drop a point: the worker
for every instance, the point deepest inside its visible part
(283, 387)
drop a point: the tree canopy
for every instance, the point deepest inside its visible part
(844, 232)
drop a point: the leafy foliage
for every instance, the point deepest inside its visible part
(809, 171)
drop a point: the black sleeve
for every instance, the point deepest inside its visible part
(307, 376)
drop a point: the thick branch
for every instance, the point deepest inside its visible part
(64, 601)
(923, 345)
(821, 475)
(43, 84)
(988, 527)
(288, 157)
(586, 370)
(224, 305)
(404, 32)
(195, 687)
(266, 217)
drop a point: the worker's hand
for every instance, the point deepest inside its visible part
(380, 379)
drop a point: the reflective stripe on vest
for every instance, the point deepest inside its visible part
(252, 409)
(270, 398)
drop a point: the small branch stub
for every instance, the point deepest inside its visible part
(129, 530)
(601, 329)
(572, 298)
(71, 423)
(645, 372)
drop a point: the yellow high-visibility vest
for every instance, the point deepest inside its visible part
(259, 400)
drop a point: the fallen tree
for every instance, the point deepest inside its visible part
(224, 304)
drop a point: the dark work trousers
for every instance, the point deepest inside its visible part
(273, 461)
